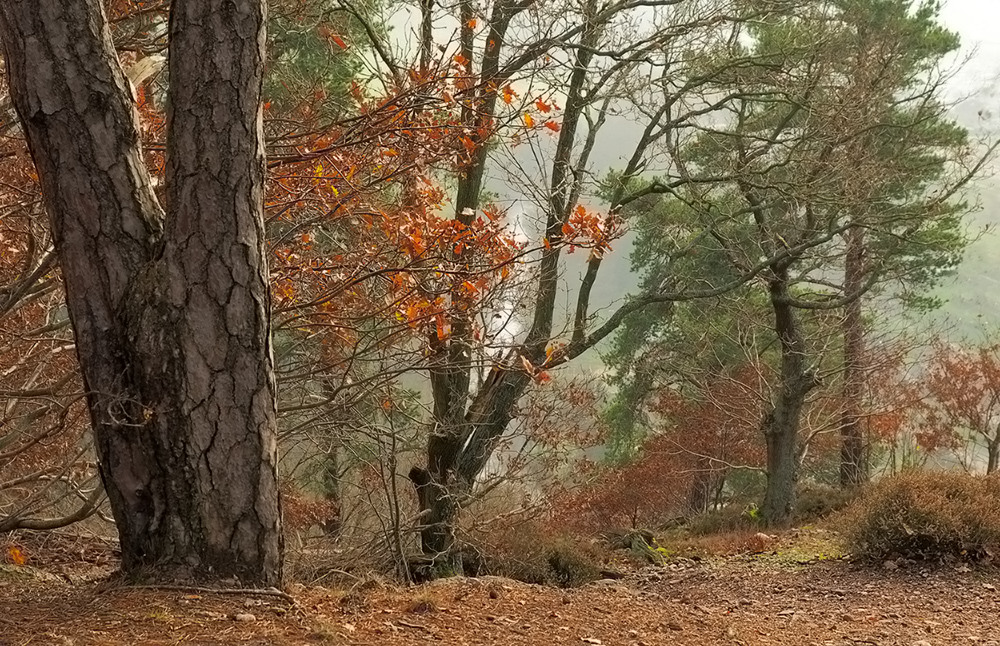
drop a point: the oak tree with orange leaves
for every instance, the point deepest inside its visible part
(345, 275)
(960, 408)
(593, 61)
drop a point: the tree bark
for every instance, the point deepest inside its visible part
(704, 487)
(781, 423)
(172, 326)
(853, 458)
(439, 512)
(992, 455)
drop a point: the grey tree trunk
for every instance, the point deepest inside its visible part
(781, 423)
(172, 325)
(853, 458)
(439, 505)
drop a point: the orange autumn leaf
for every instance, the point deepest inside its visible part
(16, 556)
(472, 24)
(443, 328)
(552, 125)
(528, 120)
(340, 41)
(508, 94)
(356, 91)
(543, 106)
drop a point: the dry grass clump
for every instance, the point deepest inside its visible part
(735, 518)
(815, 501)
(927, 516)
(533, 554)
(423, 604)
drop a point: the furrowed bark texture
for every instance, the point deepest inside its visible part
(72, 99)
(172, 327)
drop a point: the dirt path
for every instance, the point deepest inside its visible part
(733, 603)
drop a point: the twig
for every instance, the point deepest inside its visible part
(402, 622)
(270, 592)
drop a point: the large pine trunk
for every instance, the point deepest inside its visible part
(171, 322)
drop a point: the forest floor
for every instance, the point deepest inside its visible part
(798, 592)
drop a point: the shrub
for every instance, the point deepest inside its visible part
(731, 518)
(815, 501)
(745, 541)
(571, 564)
(530, 554)
(927, 515)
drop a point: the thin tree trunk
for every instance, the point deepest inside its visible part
(333, 490)
(426, 33)
(992, 456)
(704, 486)
(172, 327)
(853, 461)
(466, 433)
(439, 511)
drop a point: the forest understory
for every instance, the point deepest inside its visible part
(799, 591)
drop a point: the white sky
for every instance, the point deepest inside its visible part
(978, 24)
